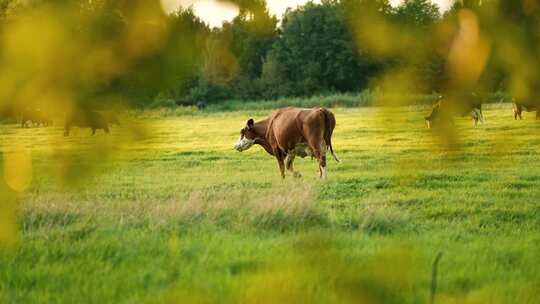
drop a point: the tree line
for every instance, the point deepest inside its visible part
(333, 47)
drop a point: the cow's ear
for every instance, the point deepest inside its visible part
(250, 123)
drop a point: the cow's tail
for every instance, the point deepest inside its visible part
(330, 124)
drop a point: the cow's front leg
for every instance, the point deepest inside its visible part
(290, 167)
(538, 115)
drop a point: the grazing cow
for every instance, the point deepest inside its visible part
(291, 132)
(184, 103)
(7, 113)
(90, 119)
(36, 117)
(519, 106)
(445, 110)
(201, 105)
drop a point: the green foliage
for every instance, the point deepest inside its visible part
(315, 52)
(317, 49)
(417, 13)
(335, 46)
(96, 52)
(347, 100)
(234, 56)
(253, 33)
(209, 92)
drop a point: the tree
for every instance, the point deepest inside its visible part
(250, 36)
(417, 13)
(253, 33)
(181, 57)
(315, 51)
(416, 20)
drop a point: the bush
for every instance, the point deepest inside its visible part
(162, 103)
(209, 92)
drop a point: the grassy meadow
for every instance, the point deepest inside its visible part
(170, 213)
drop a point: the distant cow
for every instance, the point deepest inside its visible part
(184, 103)
(445, 110)
(8, 113)
(520, 106)
(292, 132)
(94, 120)
(36, 117)
(201, 105)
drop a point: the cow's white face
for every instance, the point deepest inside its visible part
(243, 144)
(247, 137)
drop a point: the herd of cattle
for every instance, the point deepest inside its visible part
(291, 132)
(443, 111)
(94, 120)
(287, 132)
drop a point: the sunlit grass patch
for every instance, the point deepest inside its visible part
(383, 219)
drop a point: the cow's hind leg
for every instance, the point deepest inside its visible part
(322, 166)
(319, 152)
(538, 115)
(290, 167)
(281, 162)
(318, 147)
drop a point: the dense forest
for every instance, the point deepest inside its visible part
(134, 51)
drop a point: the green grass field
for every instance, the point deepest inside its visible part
(170, 213)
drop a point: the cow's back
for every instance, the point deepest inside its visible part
(283, 131)
(86, 119)
(528, 104)
(289, 126)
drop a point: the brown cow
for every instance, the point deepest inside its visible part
(90, 119)
(444, 110)
(36, 117)
(8, 113)
(291, 132)
(519, 106)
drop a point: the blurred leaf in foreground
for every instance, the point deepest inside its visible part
(9, 179)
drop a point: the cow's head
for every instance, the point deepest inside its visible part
(247, 137)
